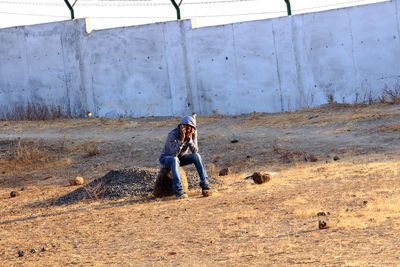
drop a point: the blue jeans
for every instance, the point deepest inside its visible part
(174, 162)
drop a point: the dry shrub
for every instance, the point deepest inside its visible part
(92, 151)
(89, 148)
(390, 96)
(95, 192)
(28, 156)
(25, 156)
(287, 156)
(33, 112)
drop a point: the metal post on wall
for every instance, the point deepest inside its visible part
(177, 7)
(71, 8)
(289, 9)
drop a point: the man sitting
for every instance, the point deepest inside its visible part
(175, 153)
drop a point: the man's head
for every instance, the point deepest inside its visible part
(189, 120)
(188, 124)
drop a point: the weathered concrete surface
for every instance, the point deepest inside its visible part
(40, 64)
(283, 64)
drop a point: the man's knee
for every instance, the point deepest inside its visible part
(175, 161)
(197, 156)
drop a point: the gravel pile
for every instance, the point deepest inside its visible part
(136, 181)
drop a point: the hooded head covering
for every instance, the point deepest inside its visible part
(189, 119)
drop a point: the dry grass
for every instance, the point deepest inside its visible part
(390, 96)
(359, 197)
(34, 112)
(89, 148)
(92, 151)
(320, 115)
(94, 192)
(242, 224)
(28, 156)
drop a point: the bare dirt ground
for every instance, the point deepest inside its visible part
(341, 159)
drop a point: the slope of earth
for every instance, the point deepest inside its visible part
(341, 160)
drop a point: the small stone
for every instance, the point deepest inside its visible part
(14, 194)
(322, 224)
(313, 158)
(172, 253)
(260, 178)
(321, 213)
(77, 181)
(336, 157)
(225, 171)
(44, 249)
(310, 158)
(21, 253)
(365, 202)
(33, 250)
(206, 193)
(22, 188)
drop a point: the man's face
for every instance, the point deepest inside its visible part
(189, 130)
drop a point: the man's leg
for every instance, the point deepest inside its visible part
(173, 163)
(198, 162)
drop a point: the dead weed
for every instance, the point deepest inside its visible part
(28, 156)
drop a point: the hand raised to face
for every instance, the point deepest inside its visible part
(186, 132)
(182, 130)
(189, 131)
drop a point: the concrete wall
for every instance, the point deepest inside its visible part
(283, 64)
(41, 64)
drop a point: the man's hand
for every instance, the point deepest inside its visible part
(183, 132)
(186, 131)
(189, 133)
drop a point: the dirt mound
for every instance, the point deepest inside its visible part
(136, 181)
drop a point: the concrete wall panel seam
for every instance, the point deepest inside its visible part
(277, 68)
(170, 87)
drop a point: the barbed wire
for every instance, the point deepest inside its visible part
(122, 4)
(331, 5)
(36, 15)
(32, 3)
(169, 17)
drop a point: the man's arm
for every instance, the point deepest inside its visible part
(174, 145)
(193, 143)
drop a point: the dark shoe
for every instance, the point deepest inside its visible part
(181, 195)
(206, 190)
